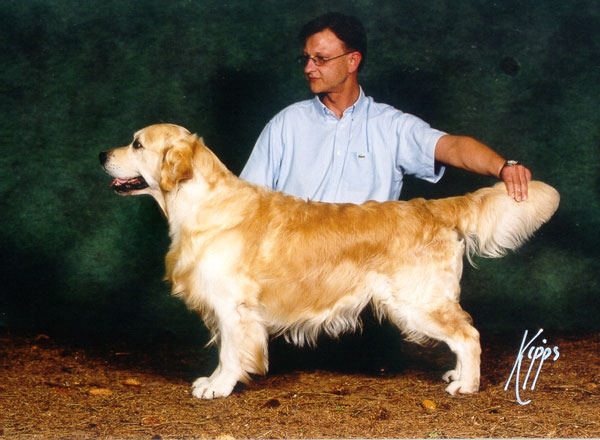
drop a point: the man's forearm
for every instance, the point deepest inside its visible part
(469, 154)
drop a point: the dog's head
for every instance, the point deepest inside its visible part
(155, 161)
(159, 160)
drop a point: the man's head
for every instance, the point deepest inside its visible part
(346, 28)
(334, 50)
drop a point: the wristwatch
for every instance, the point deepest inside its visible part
(508, 163)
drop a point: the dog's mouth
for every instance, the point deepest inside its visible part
(123, 186)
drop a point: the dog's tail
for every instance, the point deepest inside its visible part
(491, 222)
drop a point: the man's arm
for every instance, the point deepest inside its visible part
(471, 155)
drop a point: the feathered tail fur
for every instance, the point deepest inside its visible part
(491, 222)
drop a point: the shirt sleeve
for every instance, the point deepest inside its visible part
(416, 148)
(264, 163)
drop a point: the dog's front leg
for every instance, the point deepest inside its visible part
(242, 351)
(219, 384)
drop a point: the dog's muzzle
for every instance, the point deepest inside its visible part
(123, 186)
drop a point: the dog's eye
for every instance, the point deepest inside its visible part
(136, 145)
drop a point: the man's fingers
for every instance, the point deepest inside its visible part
(524, 177)
(510, 187)
(516, 178)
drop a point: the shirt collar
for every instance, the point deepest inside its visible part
(358, 105)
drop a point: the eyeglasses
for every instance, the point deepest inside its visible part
(318, 60)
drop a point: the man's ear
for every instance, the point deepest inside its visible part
(176, 165)
(355, 58)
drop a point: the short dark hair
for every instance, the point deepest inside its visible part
(347, 28)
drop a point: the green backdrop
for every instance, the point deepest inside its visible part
(80, 77)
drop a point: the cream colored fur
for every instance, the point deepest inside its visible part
(255, 262)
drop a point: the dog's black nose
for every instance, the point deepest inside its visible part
(102, 156)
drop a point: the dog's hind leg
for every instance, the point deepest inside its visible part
(242, 341)
(422, 301)
(452, 325)
(447, 323)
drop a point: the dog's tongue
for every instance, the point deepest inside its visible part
(118, 181)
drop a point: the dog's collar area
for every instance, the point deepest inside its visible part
(128, 185)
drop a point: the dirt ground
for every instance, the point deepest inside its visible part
(51, 388)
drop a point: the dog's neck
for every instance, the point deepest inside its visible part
(204, 207)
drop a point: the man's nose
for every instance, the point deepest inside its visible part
(310, 66)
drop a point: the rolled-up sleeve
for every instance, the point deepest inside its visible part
(416, 148)
(264, 162)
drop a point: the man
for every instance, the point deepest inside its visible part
(342, 146)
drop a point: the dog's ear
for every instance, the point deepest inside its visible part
(177, 164)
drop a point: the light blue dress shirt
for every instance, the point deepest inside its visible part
(305, 150)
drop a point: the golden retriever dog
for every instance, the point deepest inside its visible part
(255, 262)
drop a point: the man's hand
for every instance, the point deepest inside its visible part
(516, 178)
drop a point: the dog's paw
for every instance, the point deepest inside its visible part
(462, 387)
(211, 388)
(450, 376)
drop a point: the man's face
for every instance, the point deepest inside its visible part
(331, 76)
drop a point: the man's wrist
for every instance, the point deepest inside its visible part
(508, 163)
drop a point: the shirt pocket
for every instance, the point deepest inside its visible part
(360, 172)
